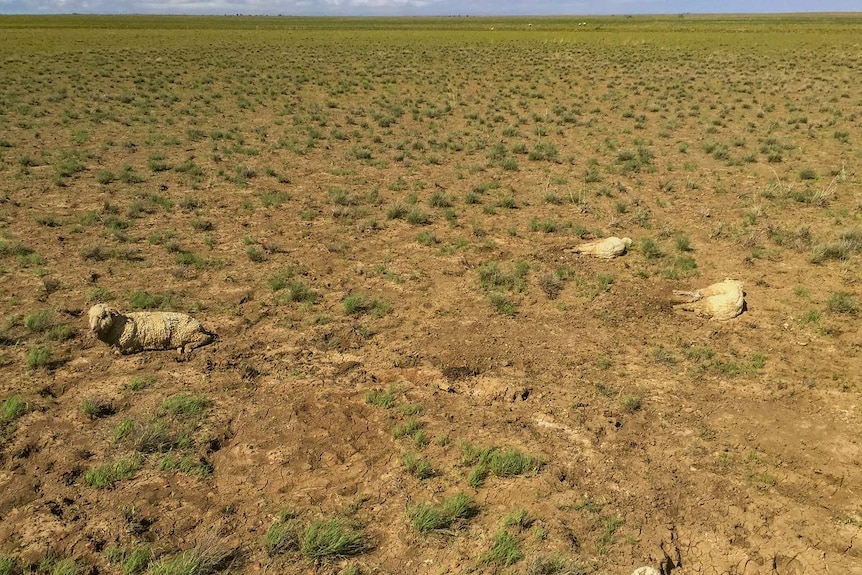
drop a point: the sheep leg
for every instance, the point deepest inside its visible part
(688, 296)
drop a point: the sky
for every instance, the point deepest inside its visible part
(421, 7)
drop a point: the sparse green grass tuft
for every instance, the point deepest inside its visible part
(361, 304)
(508, 462)
(842, 303)
(630, 403)
(331, 539)
(184, 404)
(408, 428)
(38, 321)
(107, 475)
(427, 518)
(205, 558)
(132, 561)
(384, 399)
(96, 408)
(9, 566)
(147, 300)
(505, 550)
(38, 356)
(502, 304)
(283, 535)
(12, 408)
(650, 250)
(189, 464)
(556, 565)
(66, 567)
(418, 467)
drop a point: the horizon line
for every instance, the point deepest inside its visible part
(405, 16)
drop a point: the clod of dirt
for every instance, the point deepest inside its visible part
(607, 248)
(721, 301)
(457, 373)
(646, 571)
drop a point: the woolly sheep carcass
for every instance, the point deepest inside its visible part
(607, 248)
(721, 301)
(147, 331)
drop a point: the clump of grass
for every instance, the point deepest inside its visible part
(505, 550)
(427, 518)
(38, 321)
(296, 291)
(96, 408)
(361, 304)
(683, 243)
(255, 254)
(547, 226)
(38, 356)
(502, 304)
(384, 399)
(417, 217)
(9, 566)
(154, 437)
(682, 267)
(609, 527)
(807, 174)
(107, 475)
(66, 567)
(556, 565)
(552, 283)
(650, 249)
(408, 428)
(848, 243)
(14, 248)
(136, 561)
(439, 200)
(12, 408)
(397, 211)
(508, 462)
(105, 176)
(273, 198)
(184, 404)
(283, 535)
(205, 558)
(61, 332)
(331, 539)
(146, 300)
(630, 403)
(189, 464)
(137, 382)
(410, 409)
(843, 303)
(280, 280)
(546, 151)
(418, 467)
(491, 276)
(427, 238)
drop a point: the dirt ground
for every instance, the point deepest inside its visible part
(356, 212)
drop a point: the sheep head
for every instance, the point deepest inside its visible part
(102, 318)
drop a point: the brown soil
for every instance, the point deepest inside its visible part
(725, 447)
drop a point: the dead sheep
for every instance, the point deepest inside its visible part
(147, 331)
(721, 301)
(607, 248)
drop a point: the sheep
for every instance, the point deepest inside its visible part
(147, 331)
(607, 248)
(720, 301)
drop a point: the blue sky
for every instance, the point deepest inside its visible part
(420, 7)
